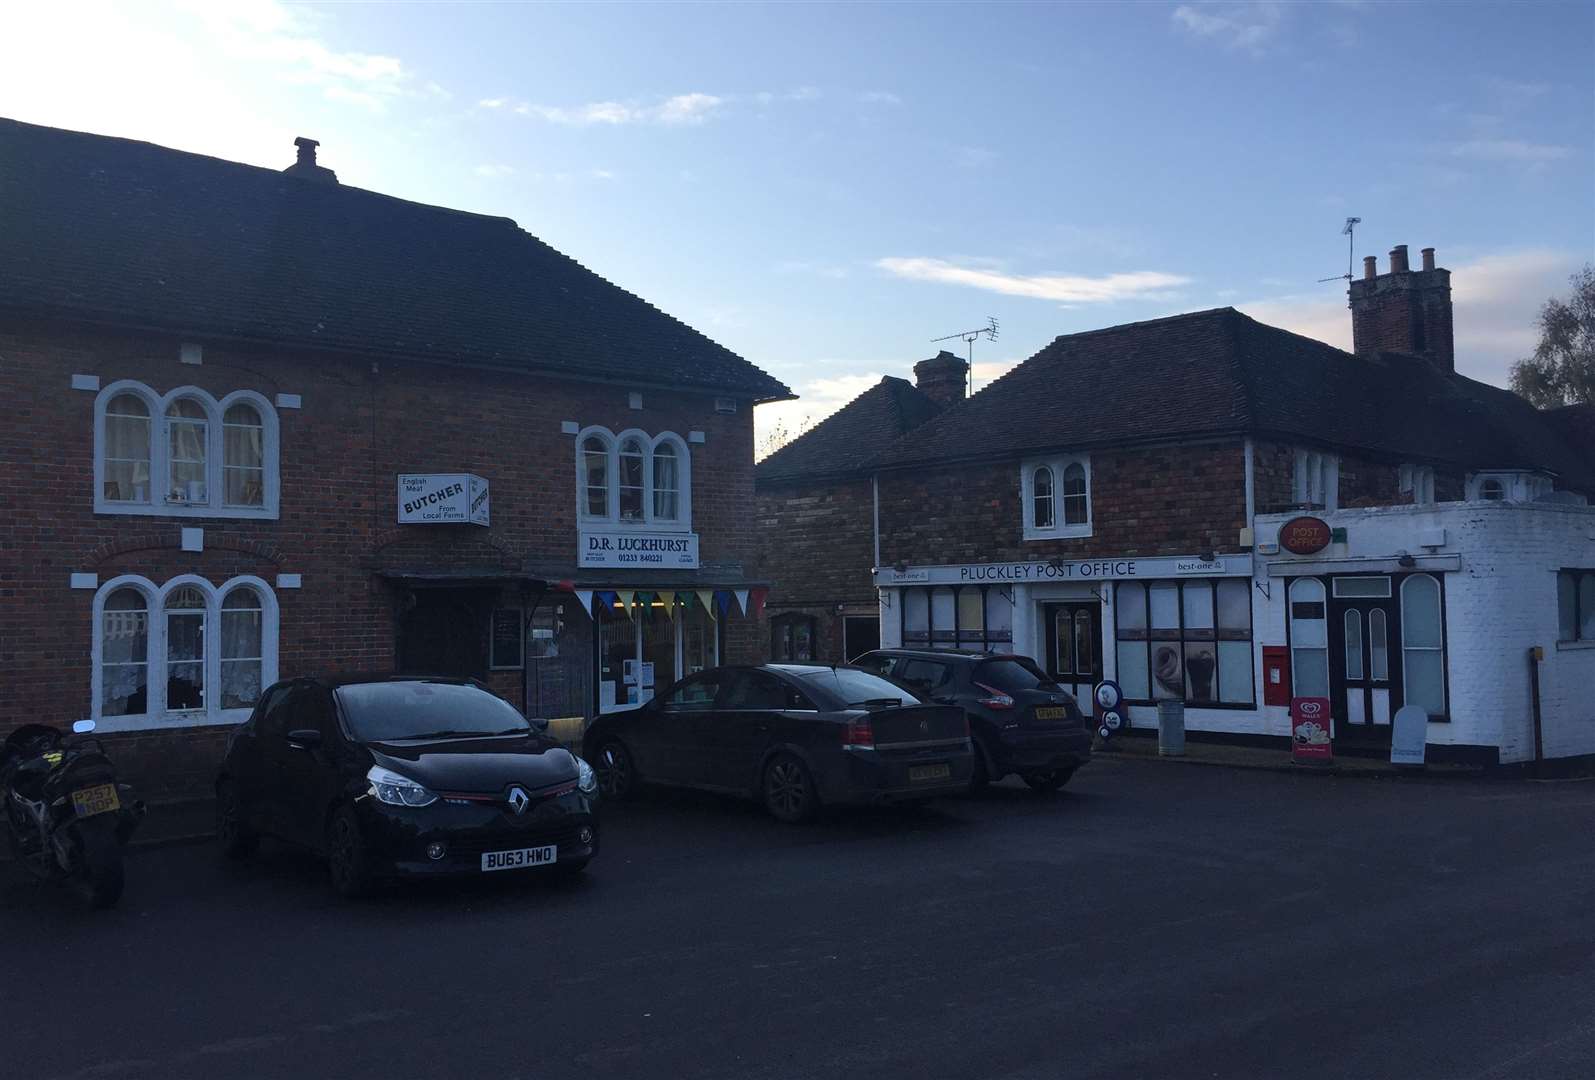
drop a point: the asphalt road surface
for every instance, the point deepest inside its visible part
(1155, 920)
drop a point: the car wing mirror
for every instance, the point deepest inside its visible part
(539, 723)
(304, 739)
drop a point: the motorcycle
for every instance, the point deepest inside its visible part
(66, 816)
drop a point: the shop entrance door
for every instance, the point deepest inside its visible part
(1074, 648)
(1364, 659)
(445, 633)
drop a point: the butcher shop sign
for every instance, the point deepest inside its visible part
(442, 499)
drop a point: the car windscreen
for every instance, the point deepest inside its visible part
(1011, 673)
(850, 687)
(395, 711)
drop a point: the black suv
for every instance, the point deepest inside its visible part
(1021, 721)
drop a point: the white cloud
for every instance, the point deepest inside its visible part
(880, 97)
(602, 174)
(492, 103)
(493, 172)
(1247, 27)
(682, 109)
(973, 157)
(1068, 289)
(1514, 150)
(1495, 299)
(817, 399)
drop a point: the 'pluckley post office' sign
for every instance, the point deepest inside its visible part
(1025, 573)
(442, 499)
(640, 550)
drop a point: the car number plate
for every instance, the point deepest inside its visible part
(520, 858)
(1055, 713)
(100, 799)
(920, 773)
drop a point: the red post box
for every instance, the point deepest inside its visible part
(1276, 675)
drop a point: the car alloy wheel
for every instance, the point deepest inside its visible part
(616, 777)
(346, 854)
(788, 794)
(235, 838)
(1048, 781)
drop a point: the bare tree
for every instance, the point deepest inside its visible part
(1562, 370)
(778, 436)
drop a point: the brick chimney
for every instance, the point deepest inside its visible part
(1404, 311)
(305, 167)
(942, 378)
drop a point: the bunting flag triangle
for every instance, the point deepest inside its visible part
(722, 600)
(706, 598)
(585, 598)
(605, 598)
(742, 600)
(626, 596)
(685, 600)
(758, 596)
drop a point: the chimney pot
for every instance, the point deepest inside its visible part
(1398, 259)
(1370, 268)
(1428, 258)
(941, 378)
(305, 167)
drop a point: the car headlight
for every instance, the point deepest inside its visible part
(586, 779)
(395, 790)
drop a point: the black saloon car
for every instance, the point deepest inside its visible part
(1021, 721)
(796, 737)
(391, 776)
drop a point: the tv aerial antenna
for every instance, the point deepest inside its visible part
(969, 337)
(1349, 232)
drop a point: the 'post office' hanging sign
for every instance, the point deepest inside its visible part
(442, 499)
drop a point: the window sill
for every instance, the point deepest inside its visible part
(1066, 532)
(1574, 646)
(170, 721)
(636, 526)
(179, 510)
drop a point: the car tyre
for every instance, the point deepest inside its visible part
(346, 855)
(617, 773)
(980, 776)
(236, 839)
(1049, 780)
(788, 789)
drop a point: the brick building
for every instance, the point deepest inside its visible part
(1113, 507)
(262, 424)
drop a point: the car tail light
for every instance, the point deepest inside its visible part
(994, 699)
(859, 733)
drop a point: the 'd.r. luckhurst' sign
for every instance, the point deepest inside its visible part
(638, 550)
(443, 499)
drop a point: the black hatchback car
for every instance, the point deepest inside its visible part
(796, 737)
(1020, 719)
(391, 776)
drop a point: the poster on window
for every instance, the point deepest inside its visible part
(637, 548)
(443, 499)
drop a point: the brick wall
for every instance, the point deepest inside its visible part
(1363, 481)
(359, 425)
(1162, 501)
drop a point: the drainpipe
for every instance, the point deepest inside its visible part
(1536, 654)
(875, 494)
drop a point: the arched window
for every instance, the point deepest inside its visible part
(1492, 490)
(1044, 515)
(241, 648)
(243, 456)
(1422, 644)
(185, 654)
(794, 639)
(1309, 638)
(127, 450)
(184, 454)
(124, 653)
(1076, 506)
(633, 483)
(187, 429)
(595, 476)
(667, 483)
(185, 648)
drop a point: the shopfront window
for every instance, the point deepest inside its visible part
(1309, 639)
(1185, 640)
(697, 641)
(640, 655)
(793, 639)
(966, 617)
(1423, 644)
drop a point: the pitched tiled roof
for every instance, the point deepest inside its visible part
(1220, 372)
(848, 440)
(131, 234)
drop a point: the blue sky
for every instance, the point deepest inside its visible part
(826, 188)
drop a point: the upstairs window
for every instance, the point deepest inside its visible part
(1317, 480)
(184, 453)
(1057, 497)
(633, 479)
(1418, 481)
(1575, 601)
(1491, 489)
(1508, 486)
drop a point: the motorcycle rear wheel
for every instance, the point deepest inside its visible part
(99, 877)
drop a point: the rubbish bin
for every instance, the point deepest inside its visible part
(1171, 728)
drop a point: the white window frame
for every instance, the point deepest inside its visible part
(612, 441)
(1058, 465)
(1418, 481)
(1445, 666)
(1315, 481)
(156, 717)
(160, 446)
(1515, 486)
